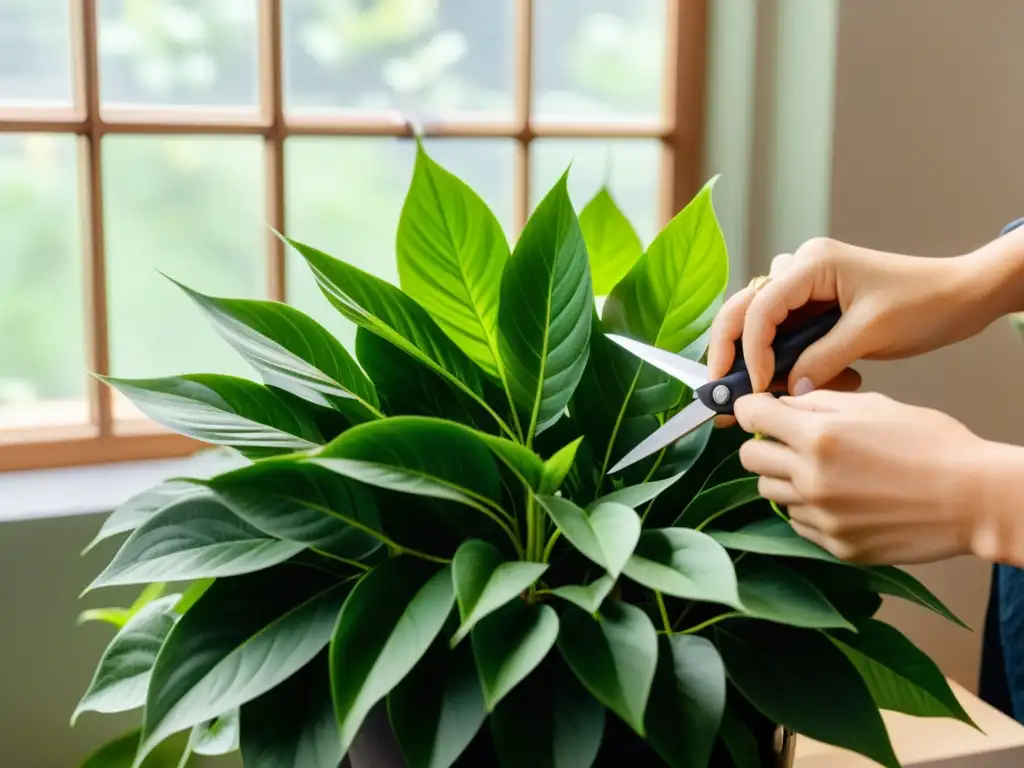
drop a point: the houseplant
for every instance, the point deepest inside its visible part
(425, 552)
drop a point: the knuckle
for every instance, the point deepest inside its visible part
(843, 549)
(817, 248)
(823, 442)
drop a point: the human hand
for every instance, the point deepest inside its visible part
(867, 478)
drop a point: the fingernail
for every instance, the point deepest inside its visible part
(803, 386)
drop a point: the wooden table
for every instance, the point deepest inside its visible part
(929, 743)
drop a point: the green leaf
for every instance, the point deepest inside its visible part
(686, 564)
(509, 644)
(117, 617)
(606, 534)
(524, 463)
(799, 679)
(614, 655)
(194, 538)
(587, 597)
(142, 506)
(451, 253)
(739, 741)
(225, 410)
(612, 243)
(900, 677)
(293, 725)
(193, 592)
(687, 701)
(772, 536)
(384, 310)
(120, 753)
(484, 582)
(545, 310)
(773, 591)
(670, 296)
(303, 503)
(558, 466)
(122, 676)
(218, 736)
(292, 351)
(566, 723)
(712, 503)
(438, 708)
(384, 629)
(243, 637)
(888, 580)
(637, 495)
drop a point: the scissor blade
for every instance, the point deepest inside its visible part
(684, 422)
(692, 374)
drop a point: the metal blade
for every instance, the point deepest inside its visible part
(684, 422)
(692, 374)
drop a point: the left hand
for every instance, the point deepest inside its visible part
(867, 478)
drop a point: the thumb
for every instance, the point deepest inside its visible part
(828, 357)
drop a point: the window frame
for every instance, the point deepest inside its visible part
(104, 439)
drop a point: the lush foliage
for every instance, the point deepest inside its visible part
(430, 526)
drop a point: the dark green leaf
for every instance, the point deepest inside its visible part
(385, 627)
(438, 708)
(141, 507)
(712, 503)
(888, 580)
(606, 534)
(451, 253)
(614, 656)
(120, 753)
(687, 701)
(566, 723)
(558, 466)
(612, 243)
(510, 643)
(900, 677)
(243, 637)
(686, 564)
(672, 293)
(293, 725)
(225, 410)
(772, 536)
(799, 679)
(484, 582)
(545, 310)
(587, 597)
(195, 538)
(524, 463)
(123, 674)
(773, 591)
(292, 351)
(216, 737)
(739, 741)
(637, 495)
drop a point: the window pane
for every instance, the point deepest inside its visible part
(345, 196)
(42, 368)
(179, 52)
(632, 168)
(422, 57)
(193, 209)
(599, 58)
(35, 52)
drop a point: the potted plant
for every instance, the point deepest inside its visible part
(424, 560)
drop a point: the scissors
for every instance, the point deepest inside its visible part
(714, 398)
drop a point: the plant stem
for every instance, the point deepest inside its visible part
(663, 611)
(551, 545)
(713, 620)
(534, 534)
(339, 559)
(615, 428)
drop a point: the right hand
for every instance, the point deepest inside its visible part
(893, 306)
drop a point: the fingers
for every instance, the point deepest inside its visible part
(726, 329)
(766, 415)
(779, 491)
(828, 401)
(768, 458)
(828, 357)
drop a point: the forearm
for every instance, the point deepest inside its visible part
(994, 275)
(993, 503)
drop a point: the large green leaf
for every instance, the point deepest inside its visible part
(226, 410)
(438, 708)
(612, 243)
(386, 626)
(687, 701)
(545, 311)
(194, 538)
(292, 351)
(384, 310)
(293, 725)
(484, 582)
(122, 676)
(142, 506)
(451, 253)
(614, 655)
(245, 636)
(510, 643)
(712, 503)
(739, 741)
(303, 503)
(566, 723)
(899, 675)
(672, 293)
(637, 495)
(686, 564)
(120, 753)
(587, 597)
(799, 679)
(774, 591)
(772, 536)
(888, 580)
(607, 534)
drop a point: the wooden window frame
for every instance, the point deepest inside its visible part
(679, 130)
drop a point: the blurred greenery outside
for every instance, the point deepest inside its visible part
(193, 207)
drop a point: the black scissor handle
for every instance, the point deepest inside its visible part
(720, 395)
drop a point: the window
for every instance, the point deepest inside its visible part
(140, 138)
